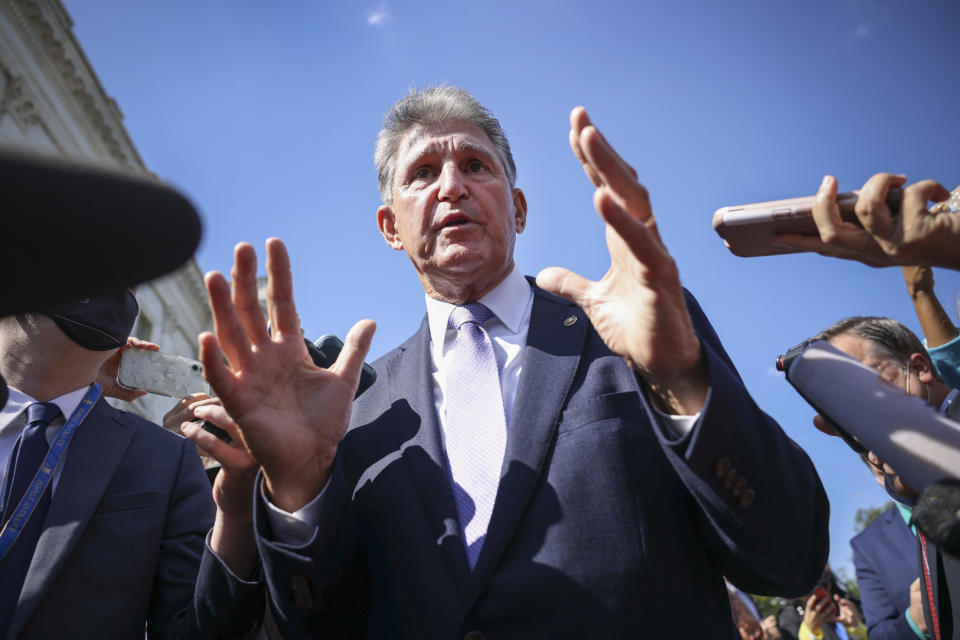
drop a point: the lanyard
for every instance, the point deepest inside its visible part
(925, 565)
(11, 530)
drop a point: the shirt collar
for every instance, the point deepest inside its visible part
(18, 402)
(508, 301)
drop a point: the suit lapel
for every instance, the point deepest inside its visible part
(550, 360)
(436, 497)
(953, 411)
(92, 456)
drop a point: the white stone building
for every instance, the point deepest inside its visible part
(52, 102)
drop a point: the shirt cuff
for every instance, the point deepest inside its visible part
(913, 625)
(256, 574)
(679, 425)
(295, 528)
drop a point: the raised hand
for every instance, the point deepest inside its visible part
(638, 306)
(291, 415)
(847, 615)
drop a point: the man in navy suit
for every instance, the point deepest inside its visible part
(885, 557)
(632, 469)
(120, 546)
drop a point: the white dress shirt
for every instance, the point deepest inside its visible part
(13, 420)
(511, 302)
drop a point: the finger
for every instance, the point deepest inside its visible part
(231, 335)
(219, 416)
(129, 395)
(202, 399)
(356, 345)
(195, 397)
(826, 211)
(244, 295)
(640, 235)
(871, 208)
(139, 343)
(618, 176)
(226, 454)
(215, 371)
(280, 306)
(820, 423)
(565, 283)
(916, 197)
(578, 120)
(813, 244)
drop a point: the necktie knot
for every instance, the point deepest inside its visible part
(42, 412)
(475, 312)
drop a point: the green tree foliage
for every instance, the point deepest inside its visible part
(768, 605)
(867, 515)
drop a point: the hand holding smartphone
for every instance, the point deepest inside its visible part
(161, 373)
(750, 230)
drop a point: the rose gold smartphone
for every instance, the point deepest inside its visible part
(750, 230)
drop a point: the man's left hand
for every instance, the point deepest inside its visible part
(638, 307)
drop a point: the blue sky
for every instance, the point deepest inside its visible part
(266, 114)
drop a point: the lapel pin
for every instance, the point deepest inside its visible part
(569, 322)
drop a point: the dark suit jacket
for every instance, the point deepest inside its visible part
(603, 526)
(123, 540)
(885, 556)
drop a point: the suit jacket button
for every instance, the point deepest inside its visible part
(722, 467)
(475, 635)
(747, 498)
(730, 479)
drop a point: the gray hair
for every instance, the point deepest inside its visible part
(887, 338)
(430, 106)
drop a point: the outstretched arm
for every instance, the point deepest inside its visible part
(290, 414)
(937, 327)
(638, 306)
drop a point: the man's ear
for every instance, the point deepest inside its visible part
(388, 227)
(519, 210)
(919, 365)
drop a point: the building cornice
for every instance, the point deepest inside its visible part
(47, 28)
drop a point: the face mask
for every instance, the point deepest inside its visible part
(98, 323)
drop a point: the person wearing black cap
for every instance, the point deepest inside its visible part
(104, 514)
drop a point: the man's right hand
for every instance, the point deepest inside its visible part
(916, 606)
(291, 414)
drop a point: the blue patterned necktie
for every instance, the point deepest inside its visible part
(475, 429)
(25, 459)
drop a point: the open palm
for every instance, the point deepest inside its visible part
(291, 414)
(638, 306)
